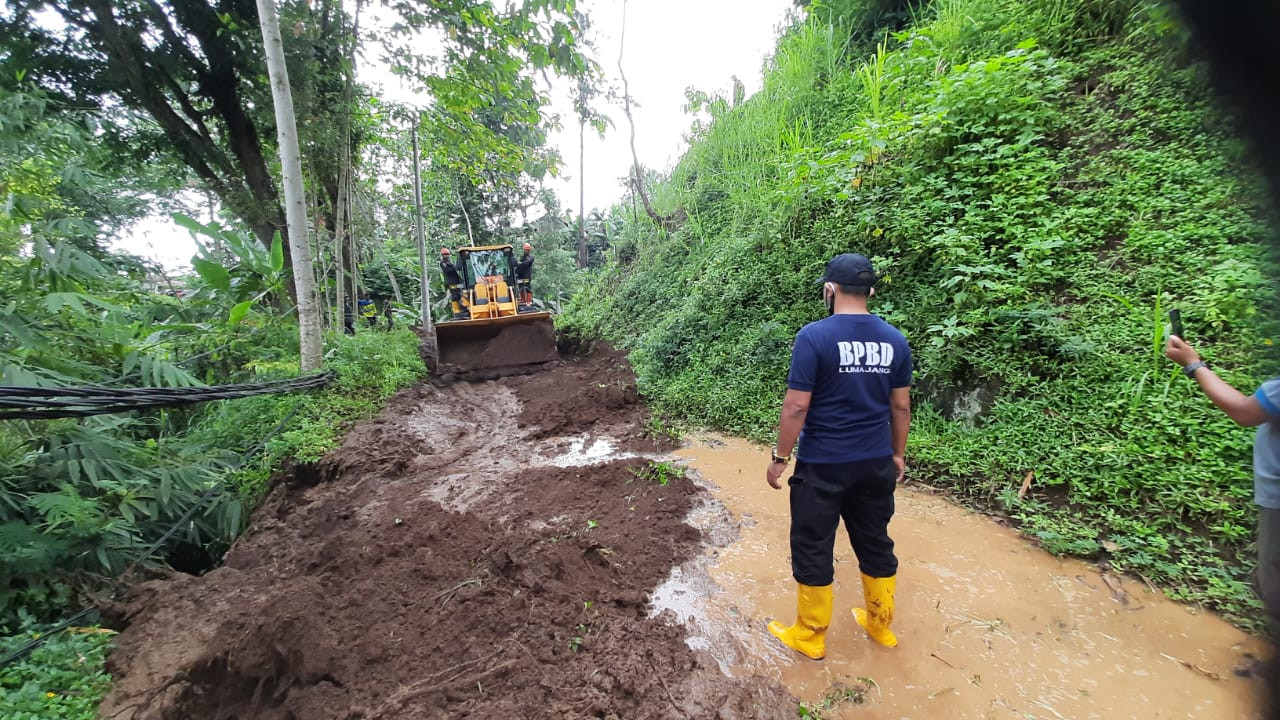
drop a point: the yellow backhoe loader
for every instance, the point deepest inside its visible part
(493, 330)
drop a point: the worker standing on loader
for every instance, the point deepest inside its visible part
(849, 391)
(453, 281)
(524, 276)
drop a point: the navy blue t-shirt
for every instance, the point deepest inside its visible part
(850, 363)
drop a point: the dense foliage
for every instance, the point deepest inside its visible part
(80, 499)
(1037, 182)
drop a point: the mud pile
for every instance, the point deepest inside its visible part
(469, 349)
(442, 564)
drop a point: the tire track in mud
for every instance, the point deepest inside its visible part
(476, 551)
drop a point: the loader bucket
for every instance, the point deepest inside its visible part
(487, 344)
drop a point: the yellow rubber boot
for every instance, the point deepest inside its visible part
(878, 594)
(813, 615)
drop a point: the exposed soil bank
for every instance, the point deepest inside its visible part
(477, 551)
(990, 627)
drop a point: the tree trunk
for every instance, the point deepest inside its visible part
(425, 279)
(295, 198)
(471, 238)
(582, 192)
(341, 275)
(428, 346)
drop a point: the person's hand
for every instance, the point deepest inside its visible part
(1177, 350)
(901, 462)
(774, 473)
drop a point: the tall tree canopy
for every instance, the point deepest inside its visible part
(195, 70)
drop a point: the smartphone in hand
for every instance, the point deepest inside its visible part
(1175, 323)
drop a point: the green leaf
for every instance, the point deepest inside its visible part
(277, 252)
(190, 223)
(239, 311)
(53, 302)
(213, 273)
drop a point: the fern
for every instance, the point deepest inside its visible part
(66, 509)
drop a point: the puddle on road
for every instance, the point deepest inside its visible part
(989, 626)
(584, 450)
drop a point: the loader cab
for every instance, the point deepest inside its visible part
(489, 280)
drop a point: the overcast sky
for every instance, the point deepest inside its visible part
(670, 45)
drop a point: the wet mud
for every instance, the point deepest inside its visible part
(469, 356)
(989, 626)
(480, 550)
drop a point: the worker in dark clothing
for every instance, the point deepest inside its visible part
(452, 281)
(524, 274)
(848, 405)
(348, 320)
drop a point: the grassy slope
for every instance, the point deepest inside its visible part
(1036, 186)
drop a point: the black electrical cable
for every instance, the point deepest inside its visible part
(31, 403)
(34, 643)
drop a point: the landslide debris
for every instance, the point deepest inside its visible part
(443, 564)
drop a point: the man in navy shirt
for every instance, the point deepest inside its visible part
(848, 403)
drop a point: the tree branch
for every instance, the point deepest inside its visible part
(666, 222)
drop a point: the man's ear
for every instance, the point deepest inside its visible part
(872, 293)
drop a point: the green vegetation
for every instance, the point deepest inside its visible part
(659, 472)
(835, 696)
(370, 367)
(1037, 182)
(62, 679)
(82, 499)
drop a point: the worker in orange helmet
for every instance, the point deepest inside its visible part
(524, 274)
(453, 281)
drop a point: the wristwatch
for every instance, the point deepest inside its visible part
(784, 459)
(1190, 370)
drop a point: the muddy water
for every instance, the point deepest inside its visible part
(989, 626)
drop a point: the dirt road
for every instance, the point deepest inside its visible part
(503, 549)
(480, 550)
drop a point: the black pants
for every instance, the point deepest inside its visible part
(861, 493)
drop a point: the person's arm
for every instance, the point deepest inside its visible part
(795, 407)
(1246, 410)
(900, 425)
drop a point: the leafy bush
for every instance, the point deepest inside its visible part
(370, 367)
(62, 679)
(1036, 185)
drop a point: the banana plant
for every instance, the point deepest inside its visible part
(233, 269)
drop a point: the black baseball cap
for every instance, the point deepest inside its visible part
(849, 269)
